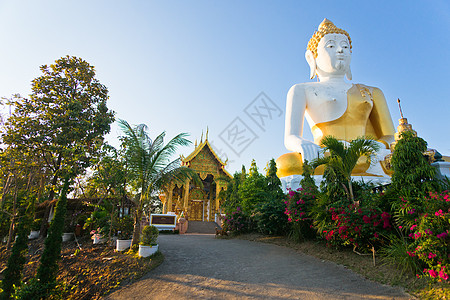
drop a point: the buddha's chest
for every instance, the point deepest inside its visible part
(325, 103)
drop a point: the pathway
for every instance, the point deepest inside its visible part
(201, 267)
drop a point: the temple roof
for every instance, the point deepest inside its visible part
(199, 148)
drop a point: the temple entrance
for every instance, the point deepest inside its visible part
(196, 210)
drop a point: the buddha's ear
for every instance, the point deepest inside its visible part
(349, 73)
(311, 62)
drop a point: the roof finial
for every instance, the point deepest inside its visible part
(207, 130)
(201, 139)
(400, 107)
(195, 143)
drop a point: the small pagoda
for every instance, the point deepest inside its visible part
(195, 202)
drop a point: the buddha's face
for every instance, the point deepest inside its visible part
(333, 55)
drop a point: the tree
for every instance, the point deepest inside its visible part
(63, 121)
(253, 189)
(343, 159)
(150, 167)
(44, 282)
(413, 175)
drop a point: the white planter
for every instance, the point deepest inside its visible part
(145, 251)
(97, 239)
(33, 235)
(67, 236)
(123, 245)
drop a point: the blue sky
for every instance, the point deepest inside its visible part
(183, 66)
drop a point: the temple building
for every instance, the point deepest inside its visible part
(196, 202)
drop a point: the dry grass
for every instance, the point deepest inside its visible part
(91, 272)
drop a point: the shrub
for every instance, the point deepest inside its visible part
(270, 218)
(359, 227)
(124, 227)
(237, 221)
(430, 235)
(298, 210)
(149, 235)
(13, 272)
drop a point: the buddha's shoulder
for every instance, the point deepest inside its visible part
(304, 86)
(372, 89)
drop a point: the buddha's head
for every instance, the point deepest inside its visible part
(329, 51)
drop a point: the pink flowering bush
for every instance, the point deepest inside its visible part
(359, 227)
(429, 235)
(237, 221)
(298, 208)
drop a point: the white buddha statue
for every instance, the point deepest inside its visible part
(333, 106)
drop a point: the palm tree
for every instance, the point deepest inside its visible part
(150, 167)
(343, 159)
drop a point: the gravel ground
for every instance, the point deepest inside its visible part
(199, 266)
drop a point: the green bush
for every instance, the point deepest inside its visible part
(149, 235)
(124, 227)
(13, 272)
(238, 222)
(269, 217)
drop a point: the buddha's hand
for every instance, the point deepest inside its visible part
(309, 151)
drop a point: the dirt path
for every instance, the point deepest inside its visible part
(202, 267)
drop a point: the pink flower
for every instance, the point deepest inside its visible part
(412, 227)
(433, 273)
(375, 235)
(366, 219)
(411, 211)
(439, 213)
(431, 255)
(291, 193)
(428, 231)
(410, 253)
(443, 275)
(417, 235)
(442, 235)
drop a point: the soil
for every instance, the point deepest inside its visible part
(88, 271)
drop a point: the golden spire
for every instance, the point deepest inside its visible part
(195, 143)
(207, 130)
(326, 27)
(403, 125)
(201, 139)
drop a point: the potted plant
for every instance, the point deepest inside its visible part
(69, 229)
(97, 236)
(35, 229)
(124, 227)
(148, 245)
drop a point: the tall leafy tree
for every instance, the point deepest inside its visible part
(150, 166)
(253, 189)
(413, 175)
(343, 159)
(63, 120)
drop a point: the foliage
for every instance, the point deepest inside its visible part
(238, 222)
(343, 159)
(45, 281)
(253, 190)
(149, 235)
(99, 219)
(430, 235)
(124, 227)
(231, 195)
(62, 123)
(359, 227)
(150, 167)
(13, 272)
(269, 217)
(413, 175)
(298, 208)
(36, 225)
